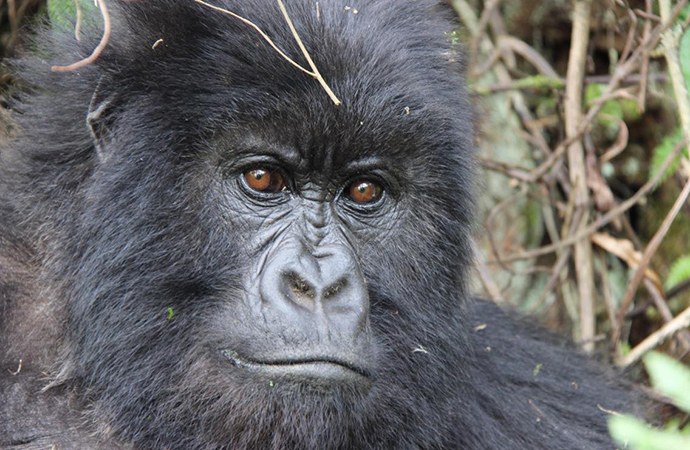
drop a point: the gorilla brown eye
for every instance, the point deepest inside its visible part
(265, 180)
(365, 191)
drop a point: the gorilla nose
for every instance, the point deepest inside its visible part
(299, 289)
(330, 281)
(304, 286)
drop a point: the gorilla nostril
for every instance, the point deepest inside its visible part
(336, 287)
(300, 288)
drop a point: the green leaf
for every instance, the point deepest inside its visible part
(684, 13)
(637, 435)
(612, 108)
(672, 379)
(537, 369)
(661, 152)
(593, 91)
(669, 377)
(680, 271)
(63, 13)
(631, 111)
(684, 56)
(170, 313)
(453, 36)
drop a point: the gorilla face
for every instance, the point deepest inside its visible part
(301, 276)
(248, 265)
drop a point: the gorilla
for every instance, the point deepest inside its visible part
(199, 249)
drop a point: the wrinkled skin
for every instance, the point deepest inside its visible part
(200, 250)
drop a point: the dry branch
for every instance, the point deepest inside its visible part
(647, 256)
(670, 45)
(680, 322)
(603, 220)
(313, 73)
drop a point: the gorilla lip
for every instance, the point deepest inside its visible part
(315, 366)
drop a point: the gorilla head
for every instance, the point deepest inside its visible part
(246, 264)
(233, 261)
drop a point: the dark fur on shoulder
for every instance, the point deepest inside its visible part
(109, 242)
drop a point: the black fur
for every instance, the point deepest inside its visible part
(95, 249)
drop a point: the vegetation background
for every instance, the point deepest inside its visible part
(585, 121)
(586, 219)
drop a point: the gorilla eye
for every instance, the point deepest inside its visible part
(365, 191)
(265, 180)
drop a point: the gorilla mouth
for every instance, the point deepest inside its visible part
(312, 367)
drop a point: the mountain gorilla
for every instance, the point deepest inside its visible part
(200, 250)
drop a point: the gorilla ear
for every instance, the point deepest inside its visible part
(99, 119)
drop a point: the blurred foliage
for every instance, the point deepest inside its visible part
(63, 13)
(684, 55)
(671, 379)
(662, 151)
(679, 271)
(517, 68)
(530, 106)
(621, 109)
